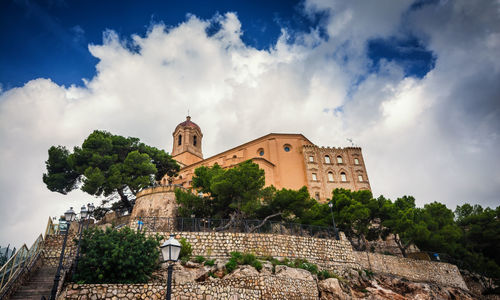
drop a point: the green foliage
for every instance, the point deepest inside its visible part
(210, 262)
(186, 250)
(117, 256)
(199, 259)
(325, 274)
(240, 191)
(304, 264)
(107, 164)
(238, 258)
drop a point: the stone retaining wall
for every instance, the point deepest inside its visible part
(251, 288)
(52, 250)
(416, 270)
(327, 253)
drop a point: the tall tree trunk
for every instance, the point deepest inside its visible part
(124, 200)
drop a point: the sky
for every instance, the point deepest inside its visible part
(416, 84)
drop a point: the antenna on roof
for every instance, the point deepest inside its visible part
(350, 141)
(188, 111)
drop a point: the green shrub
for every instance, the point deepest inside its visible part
(117, 256)
(210, 262)
(199, 259)
(247, 259)
(231, 265)
(325, 274)
(257, 265)
(304, 264)
(186, 250)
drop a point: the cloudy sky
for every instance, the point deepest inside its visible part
(415, 84)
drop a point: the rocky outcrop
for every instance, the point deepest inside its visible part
(359, 285)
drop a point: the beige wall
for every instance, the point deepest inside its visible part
(319, 166)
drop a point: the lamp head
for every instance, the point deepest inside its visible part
(171, 249)
(84, 212)
(91, 207)
(330, 204)
(70, 215)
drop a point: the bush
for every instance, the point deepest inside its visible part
(117, 256)
(186, 250)
(238, 258)
(231, 265)
(199, 259)
(210, 262)
(325, 274)
(257, 265)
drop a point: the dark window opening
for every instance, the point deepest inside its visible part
(180, 140)
(195, 140)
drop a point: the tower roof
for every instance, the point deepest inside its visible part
(188, 123)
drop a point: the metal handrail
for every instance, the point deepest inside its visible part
(14, 266)
(162, 224)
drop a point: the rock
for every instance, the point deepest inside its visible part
(267, 268)
(330, 289)
(243, 271)
(185, 275)
(285, 271)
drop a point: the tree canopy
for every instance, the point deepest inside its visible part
(107, 164)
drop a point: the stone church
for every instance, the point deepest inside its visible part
(288, 160)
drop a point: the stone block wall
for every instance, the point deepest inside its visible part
(251, 288)
(327, 253)
(52, 250)
(416, 270)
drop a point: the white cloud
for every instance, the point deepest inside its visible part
(434, 137)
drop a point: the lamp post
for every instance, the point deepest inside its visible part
(170, 251)
(84, 213)
(64, 226)
(330, 204)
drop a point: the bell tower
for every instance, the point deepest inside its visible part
(187, 143)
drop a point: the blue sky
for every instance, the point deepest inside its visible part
(51, 36)
(414, 83)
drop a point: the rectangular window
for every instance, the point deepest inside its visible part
(311, 159)
(316, 196)
(327, 159)
(315, 178)
(360, 178)
(356, 161)
(330, 176)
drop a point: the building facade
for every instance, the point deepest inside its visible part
(289, 161)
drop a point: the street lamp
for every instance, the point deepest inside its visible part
(170, 251)
(330, 204)
(64, 226)
(90, 208)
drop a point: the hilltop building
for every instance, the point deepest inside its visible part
(288, 160)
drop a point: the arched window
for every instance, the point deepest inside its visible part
(360, 178)
(195, 140)
(327, 159)
(316, 196)
(356, 161)
(343, 177)
(180, 140)
(339, 159)
(311, 158)
(314, 177)
(330, 176)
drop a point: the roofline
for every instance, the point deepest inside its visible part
(248, 143)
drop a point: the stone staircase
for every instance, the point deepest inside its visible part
(40, 284)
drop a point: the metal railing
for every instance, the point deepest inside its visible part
(165, 224)
(14, 267)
